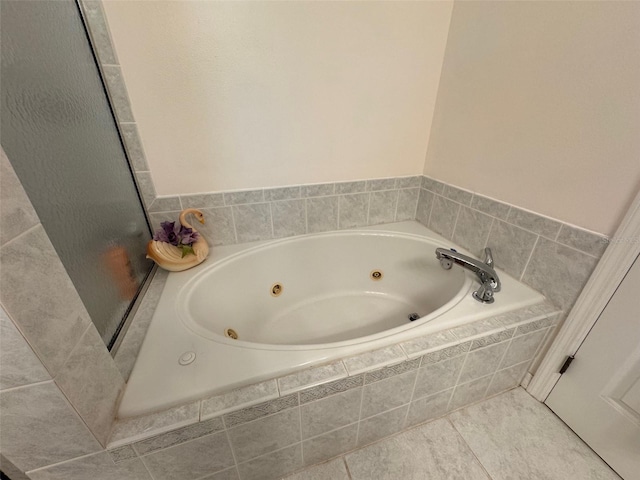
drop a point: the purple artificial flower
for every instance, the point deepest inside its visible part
(187, 236)
(167, 233)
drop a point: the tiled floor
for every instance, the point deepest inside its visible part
(510, 436)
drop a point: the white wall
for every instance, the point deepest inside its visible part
(539, 106)
(232, 95)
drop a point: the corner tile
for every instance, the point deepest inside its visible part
(523, 348)
(425, 204)
(382, 207)
(583, 240)
(407, 204)
(457, 194)
(471, 392)
(432, 185)
(482, 362)
(92, 383)
(311, 377)
(53, 327)
(508, 378)
(218, 228)
(472, 230)
(409, 182)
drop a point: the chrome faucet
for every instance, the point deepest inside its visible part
(489, 281)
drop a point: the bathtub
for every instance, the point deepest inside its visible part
(257, 311)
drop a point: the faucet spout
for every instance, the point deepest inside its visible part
(489, 280)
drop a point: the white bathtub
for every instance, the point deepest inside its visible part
(298, 302)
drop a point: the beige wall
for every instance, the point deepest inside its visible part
(232, 95)
(539, 106)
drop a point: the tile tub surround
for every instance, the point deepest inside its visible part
(259, 432)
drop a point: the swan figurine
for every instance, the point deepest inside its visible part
(170, 257)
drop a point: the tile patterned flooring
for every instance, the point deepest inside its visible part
(507, 437)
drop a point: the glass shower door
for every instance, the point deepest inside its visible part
(59, 132)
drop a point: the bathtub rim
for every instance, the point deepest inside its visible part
(185, 292)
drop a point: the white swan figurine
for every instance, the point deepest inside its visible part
(170, 257)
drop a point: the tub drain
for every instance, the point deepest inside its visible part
(376, 275)
(231, 333)
(276, 289)
(413, 317)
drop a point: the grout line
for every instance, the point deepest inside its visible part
(535, 244)
(360, 413)
(300, 429)
(469, 447)
(346, 466)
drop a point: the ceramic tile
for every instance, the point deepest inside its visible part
(472, 230)
(350, 187)
(523, 348)
(322, 214)
(289, 218)
(588, 242)
(424, 207)
(146, 187)
(482, 362)
(19, 364)
(253, 222)
(319, 190)
(391, 371)
(191, 460)
(433, 451)
(331, 388)
(443, 216)
(117, 92)
(311, 377)
(470, 392)
(491, 339)
(549, 450)
(228, 474)
(533, 222)
(246, 196)
(265, 435)
(330, 413)
(282, 193)
(457, 194)
(491, 207)
(387, 394)
(507, 378)
(477, 328)
(135, 152)
(382, 207)
(381, 184)
(272, 466)
(94, 467)
(16, 212)
(445, 353)
(511, 247)
(122, 454)
(10, 470)
(409, 182)
(428, 408)
(176, 437)
(101, 39)
(329, 445)
(407, 204)
(40, 428)
(133, 429)
(422, 345)
(202, 200)
(239, 398)
(54, 327)
(353, 210)
(558, 272)
(261, 410)
(218, 227)
(92, 383)
(436, 377)
(335, 470)
(432, 185)
(382, 425)
(166, 204)
(376, 358)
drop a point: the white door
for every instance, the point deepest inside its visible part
(599, 395)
